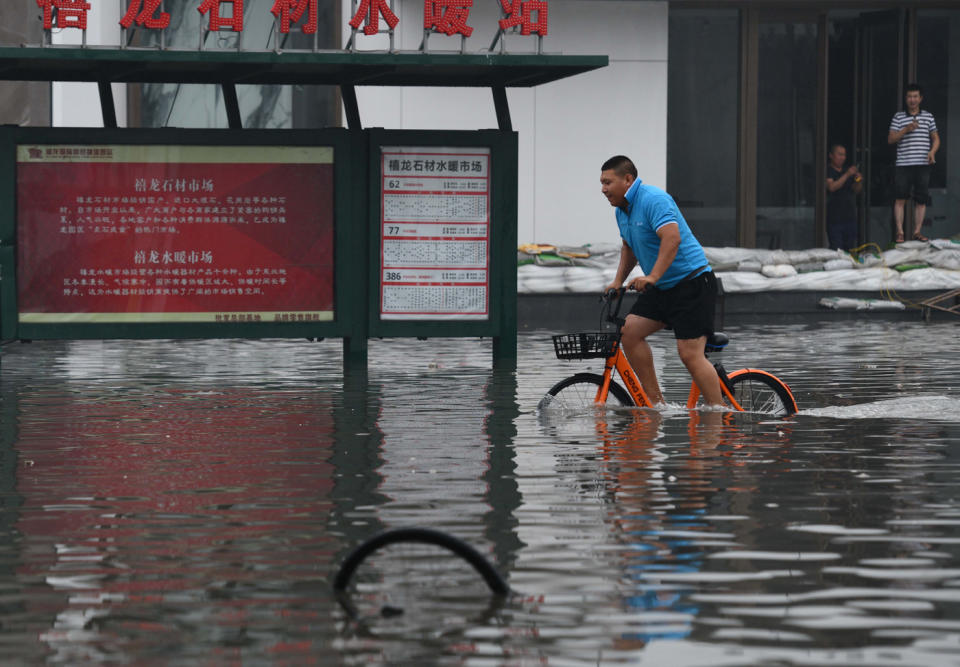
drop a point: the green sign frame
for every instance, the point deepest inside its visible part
(501, 323)
(347, 249)
(357, 229)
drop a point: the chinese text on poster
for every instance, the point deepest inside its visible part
(123, 233)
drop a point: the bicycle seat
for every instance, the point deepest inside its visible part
(717, 341)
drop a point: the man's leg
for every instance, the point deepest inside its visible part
(700, 369)
(919, 210)
(850, 237)
(902, 183)
(898, 206)
(921, 190)
(635, 346)
(834, 237)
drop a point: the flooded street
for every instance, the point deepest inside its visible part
(189, 502)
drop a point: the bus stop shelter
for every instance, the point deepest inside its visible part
(336, 232)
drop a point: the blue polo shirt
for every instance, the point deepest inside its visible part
(648, 209)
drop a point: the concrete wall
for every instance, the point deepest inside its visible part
(948, 205)
(567, 128)
(78, 104)
(22, 103)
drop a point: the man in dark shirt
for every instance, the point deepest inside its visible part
(843, 186)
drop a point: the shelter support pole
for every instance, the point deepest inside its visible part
(502, 108)
(355, 351)
(107, 107)
(349, 96)
(232, 105)
(505, 236)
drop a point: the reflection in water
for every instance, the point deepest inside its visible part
(187, 502)
(139, 509)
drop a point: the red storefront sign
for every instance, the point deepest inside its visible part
(123, 233)
(441, 16)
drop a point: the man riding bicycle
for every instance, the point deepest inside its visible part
(678, 290)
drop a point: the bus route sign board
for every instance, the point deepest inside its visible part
(435, 233)
(443, 233)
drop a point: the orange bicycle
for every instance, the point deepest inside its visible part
(745, 390)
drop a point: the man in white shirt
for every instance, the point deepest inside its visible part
(914, 131)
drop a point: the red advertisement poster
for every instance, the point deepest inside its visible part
(174, 233)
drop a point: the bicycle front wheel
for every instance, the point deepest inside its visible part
(579, 392)
(759, 391)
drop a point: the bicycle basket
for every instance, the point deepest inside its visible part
(586, 345)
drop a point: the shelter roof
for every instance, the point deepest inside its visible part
(341, 68)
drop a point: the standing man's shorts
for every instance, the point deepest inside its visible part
(915, 177)
(687, 307)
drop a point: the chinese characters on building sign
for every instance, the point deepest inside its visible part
(368, 14)
(435, 234)
(64, 13)
(144, 14)
(291, 11)
(217, 21)
(448, 17)
(528, 15)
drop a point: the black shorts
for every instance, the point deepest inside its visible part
(687, 307)
(915, 177)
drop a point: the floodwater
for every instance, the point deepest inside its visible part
(189, 502)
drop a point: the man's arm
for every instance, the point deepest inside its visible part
(627, 261)
(896, 135)
(669, 234)
(834, 184)
(934, 147)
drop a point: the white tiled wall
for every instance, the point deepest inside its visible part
(566, 128)
(78, 104)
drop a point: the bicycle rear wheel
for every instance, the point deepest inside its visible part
(578, 392)
(759, 391)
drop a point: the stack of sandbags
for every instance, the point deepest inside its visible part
(914, 265)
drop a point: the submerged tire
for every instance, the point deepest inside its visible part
(758, 391)
(454, 545)
(577, 393)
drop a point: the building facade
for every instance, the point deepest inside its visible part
(730, 105)
(758, 92)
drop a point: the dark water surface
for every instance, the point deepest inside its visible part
(168, 502)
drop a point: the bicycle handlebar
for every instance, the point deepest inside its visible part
(613, 312)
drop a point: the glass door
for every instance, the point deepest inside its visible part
(938, 71)
(786, 132)
(880, 58)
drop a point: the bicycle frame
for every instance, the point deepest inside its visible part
(618, 361)
(742, 390)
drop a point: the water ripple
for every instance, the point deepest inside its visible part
(181, 502)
